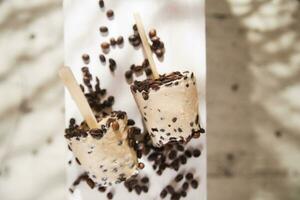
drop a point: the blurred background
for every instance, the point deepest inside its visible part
(253, 100)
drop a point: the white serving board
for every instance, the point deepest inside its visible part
(181, 26)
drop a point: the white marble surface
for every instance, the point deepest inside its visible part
(252, 43)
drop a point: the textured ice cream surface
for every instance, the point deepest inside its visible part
(169, 106)
(104, 153)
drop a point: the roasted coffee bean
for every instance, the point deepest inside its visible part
(170, 189)
(163, 193)
(179, 177)
(134, 27)
(145, 188)
(189, 176)
(196, 153)
(136, 43)
(141, 165)
(120, 40)
(130, 122)
(105, 45)
(202, 130)
(148, 71)
(103, 29)
(115, 125)
(188, 153)
(113, 41)
(101, 4)
(185, 186)
(145, 179)
(128, 74)
(138, 189)
(152, 33)
(183, 159)
(110, 195)
(110, 13)
(102, 58)
(179, 147)
(159, 53)
(112, 64)
(102, 189)
(172, 154)
(183, 193)
(175, 196)
(155, 39)
(194, 183)
(86, 58)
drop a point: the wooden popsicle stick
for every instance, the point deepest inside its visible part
(69, 80)
(145, 43)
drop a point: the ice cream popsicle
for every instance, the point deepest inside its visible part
(168, 103)
(100, 146)
(169, 106)
(104, 152)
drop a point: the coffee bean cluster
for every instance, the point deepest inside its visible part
(157, 46)
(135, 39)
(138, 70)
(165, 79)
(137, 184)
(96, 96)
(187, 181)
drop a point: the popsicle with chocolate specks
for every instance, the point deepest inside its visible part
(100, 146)
(168, 102)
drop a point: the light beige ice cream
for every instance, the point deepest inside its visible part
(108, 159)
(169, 107)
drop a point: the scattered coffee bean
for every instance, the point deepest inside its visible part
(145, 180)
(113, 41)
(141, 165)
(138, 189)
(101, 4)
(145, 188)
(163, 193)
(128, 74)
(196, 153)
(188, 153)
(112, 64)
(134, 27)
(172, 154)
(102, 189)
(110, 13)
(170, 189)
(148, 71)
(102, 58)
(105, 46)
(152, 33)
(194, 183)
(86, 58)
(183, 193)
(130, 122)
(159, 53)
(179, 177)
(103, 29)
(110, 195)
(120, 40)
(185, 186)
(189, 176)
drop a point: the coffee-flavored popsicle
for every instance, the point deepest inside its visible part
(168, 103)
(100, 146)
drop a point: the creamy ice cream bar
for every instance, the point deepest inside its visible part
(169, 106)
(104, 152)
